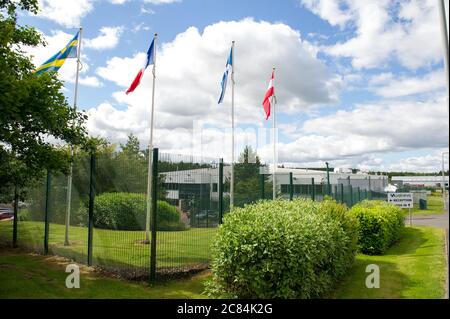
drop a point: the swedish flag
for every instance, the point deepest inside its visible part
(57, 61)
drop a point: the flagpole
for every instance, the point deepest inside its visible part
(274, 179)
(444, 35)
(69, 178)
(232, 129)
(150, 148)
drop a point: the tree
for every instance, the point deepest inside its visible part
(117, 170)
(247, 178)
(33, 110)
(132, 147)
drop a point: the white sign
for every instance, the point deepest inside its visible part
(402, 200)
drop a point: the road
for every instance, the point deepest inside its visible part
(440, 221)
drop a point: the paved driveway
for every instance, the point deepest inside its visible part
(440, 221)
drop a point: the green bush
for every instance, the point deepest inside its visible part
(127, 211)
(24, 215)
(380, 225)
(282, 249)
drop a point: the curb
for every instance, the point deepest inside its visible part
(446, 258)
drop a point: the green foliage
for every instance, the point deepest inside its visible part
(32, 107)
(121, 170)
(282, 249)
(247, 179)
(380, 225)
(132, 147)
(12, 5)
(128, 211)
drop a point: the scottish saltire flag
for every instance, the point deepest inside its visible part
(228, 68)
(149, 61)
(57, 61)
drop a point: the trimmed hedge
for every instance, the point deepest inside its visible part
(380, 225)
(282, 249)
(127, 211)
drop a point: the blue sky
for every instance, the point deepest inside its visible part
(359, 83)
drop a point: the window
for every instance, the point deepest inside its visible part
(215, 188)
(171, 186)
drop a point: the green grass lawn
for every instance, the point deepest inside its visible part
(26, 276)
(413, 268)
(122, 249)
(435, 205)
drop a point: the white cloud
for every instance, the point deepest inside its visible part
(108, 39)
(65, 13)
(428, 163)
(389, 86)
(145, 10)
(156, 2)
(358, 138)
(139, 27)
(118, 1)
(70, 13)
(328, 10)
(380, 127)
(385, 30)
(91, 81)
(161, 1)
(190, 67)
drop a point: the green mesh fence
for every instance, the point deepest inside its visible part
(30, 225)
(190, 187)
(187, 210)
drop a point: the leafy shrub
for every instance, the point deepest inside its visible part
(380, 225)
(282, 249)
(24, 215)
(128, 211)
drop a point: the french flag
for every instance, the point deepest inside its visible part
(150, 61)
(270, 92)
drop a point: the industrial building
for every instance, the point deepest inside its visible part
(199, 187)
(420, 181)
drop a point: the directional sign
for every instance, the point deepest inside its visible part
(402, 200)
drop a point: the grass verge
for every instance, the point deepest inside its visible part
(414, 268)
(435, 206)
(25, 276)
(115, 248)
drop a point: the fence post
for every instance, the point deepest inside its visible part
(370, 190)
(351, 195)
(313, 190)
(291, 186)
(47, 211)
(220, 190)
(336, 193)
(359, 194)
(262, 182)
(342, 193)
(91, 207)
(328, 180)
(153, 214)
(16, 208)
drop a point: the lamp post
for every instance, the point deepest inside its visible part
(444, 197)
